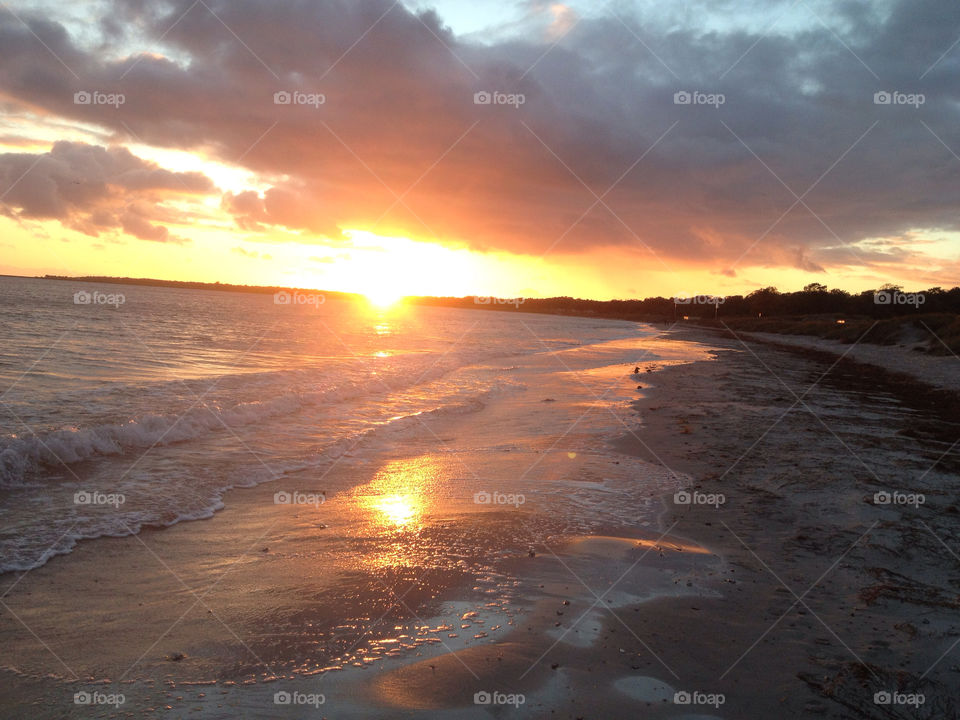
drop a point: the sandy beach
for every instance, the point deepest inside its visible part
(841, 593)
(775, 584)
(938, 371)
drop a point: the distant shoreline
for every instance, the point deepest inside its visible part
(942, 328)
(181, 284)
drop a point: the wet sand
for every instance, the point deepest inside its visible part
(828, 602)
(796, 596)
(397, 564)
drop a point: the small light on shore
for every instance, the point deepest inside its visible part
(686, 317)
(841, 322)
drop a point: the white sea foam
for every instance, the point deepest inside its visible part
(168, 505)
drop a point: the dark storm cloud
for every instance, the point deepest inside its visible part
(397, 143)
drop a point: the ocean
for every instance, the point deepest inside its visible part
(128, 406)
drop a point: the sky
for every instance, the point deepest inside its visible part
(513, 148)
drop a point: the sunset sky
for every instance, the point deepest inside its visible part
(151, 139)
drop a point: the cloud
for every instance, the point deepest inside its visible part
(94, 189)
(797, 161)
(293, 208)
(140, 227)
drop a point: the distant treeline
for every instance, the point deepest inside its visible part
(814, 299)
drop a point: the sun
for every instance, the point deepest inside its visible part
(383, 297)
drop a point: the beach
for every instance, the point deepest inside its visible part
(702, 539)
(448, 360)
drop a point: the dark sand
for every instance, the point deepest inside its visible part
(837, 598)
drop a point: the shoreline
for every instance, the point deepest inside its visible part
(262, 598)
(704, 601)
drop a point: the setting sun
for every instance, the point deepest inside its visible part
(383, 297)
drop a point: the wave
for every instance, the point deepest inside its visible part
(20, 455)
(23, 455)
(164, 513)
